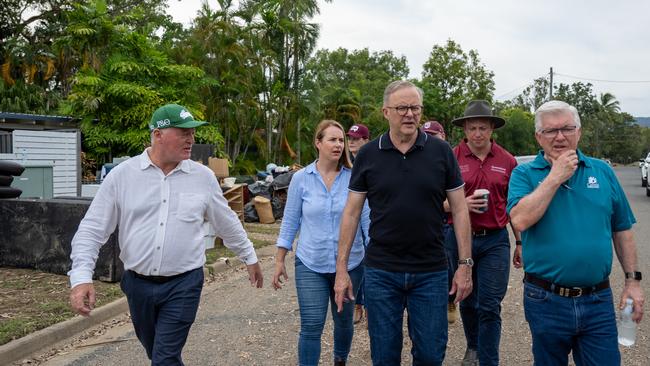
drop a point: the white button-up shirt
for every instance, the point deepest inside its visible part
(160, 220)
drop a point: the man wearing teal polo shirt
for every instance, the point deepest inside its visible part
(569, 208)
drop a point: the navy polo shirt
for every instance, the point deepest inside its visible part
(405, 193)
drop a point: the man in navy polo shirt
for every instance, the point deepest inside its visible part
(569, 208)
(406, 175)
(484, 165)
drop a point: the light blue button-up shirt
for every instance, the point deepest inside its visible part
(316, 213)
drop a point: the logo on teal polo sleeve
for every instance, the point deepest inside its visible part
(592, 182)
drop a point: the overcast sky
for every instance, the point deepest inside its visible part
(518, 40)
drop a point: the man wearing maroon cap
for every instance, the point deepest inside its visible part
(358, 135)
(434, 128)
(484, 165)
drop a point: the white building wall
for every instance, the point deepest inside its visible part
(57, 149)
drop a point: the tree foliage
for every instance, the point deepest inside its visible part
(518, 134)
(122, 79)
(349, 85)
(451, 78)
(607, 132)
(250, 68)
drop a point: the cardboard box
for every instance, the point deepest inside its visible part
(219, 167)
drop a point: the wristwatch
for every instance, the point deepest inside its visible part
(633, 276)
(466, 262)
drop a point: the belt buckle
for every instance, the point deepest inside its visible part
(566, 291)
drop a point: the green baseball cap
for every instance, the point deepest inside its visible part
(173, 115)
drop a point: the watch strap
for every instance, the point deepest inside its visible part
(633, 276)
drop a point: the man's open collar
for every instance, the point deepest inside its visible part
(385, 142)
(145, 162)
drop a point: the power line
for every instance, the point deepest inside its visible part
(519, 88)
(603, 81)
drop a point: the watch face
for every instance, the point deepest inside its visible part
(468, 261)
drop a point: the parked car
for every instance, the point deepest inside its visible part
(522, 159)
(645, 166)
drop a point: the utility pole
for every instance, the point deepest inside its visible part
(550, 88)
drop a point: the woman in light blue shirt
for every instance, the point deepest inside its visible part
(317, 195)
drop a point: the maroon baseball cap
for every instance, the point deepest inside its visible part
(433, 127)
(359, 131)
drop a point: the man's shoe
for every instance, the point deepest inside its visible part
(471, 358)
(358, 313)
(452, 312)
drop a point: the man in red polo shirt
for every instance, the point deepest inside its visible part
(484, 165)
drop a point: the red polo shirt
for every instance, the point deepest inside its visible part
(493, 174)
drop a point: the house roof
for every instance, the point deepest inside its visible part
(26, 121)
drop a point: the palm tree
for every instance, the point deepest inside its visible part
(609, 103)
(290, 38)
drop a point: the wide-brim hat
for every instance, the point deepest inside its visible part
(479, 109)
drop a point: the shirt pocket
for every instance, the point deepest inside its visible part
(191, 207)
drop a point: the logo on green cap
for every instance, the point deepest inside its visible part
(173, 115)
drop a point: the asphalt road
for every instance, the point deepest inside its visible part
(238, 325)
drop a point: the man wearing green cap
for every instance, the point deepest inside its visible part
(159, 200)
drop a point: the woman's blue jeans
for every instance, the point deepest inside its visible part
(315, 292)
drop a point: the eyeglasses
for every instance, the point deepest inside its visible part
(402, 110)
(552, 132)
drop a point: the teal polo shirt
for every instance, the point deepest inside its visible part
(571, 244)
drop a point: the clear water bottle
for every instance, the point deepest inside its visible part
(627, 326)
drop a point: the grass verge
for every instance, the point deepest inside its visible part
(31, 300)
(260, 235)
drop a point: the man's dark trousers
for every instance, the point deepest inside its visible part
(163, 312)
(481, 311)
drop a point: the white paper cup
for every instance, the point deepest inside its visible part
(485, 195)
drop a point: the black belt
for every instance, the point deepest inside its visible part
(156, 279)
(485, 232)
(562, 290)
